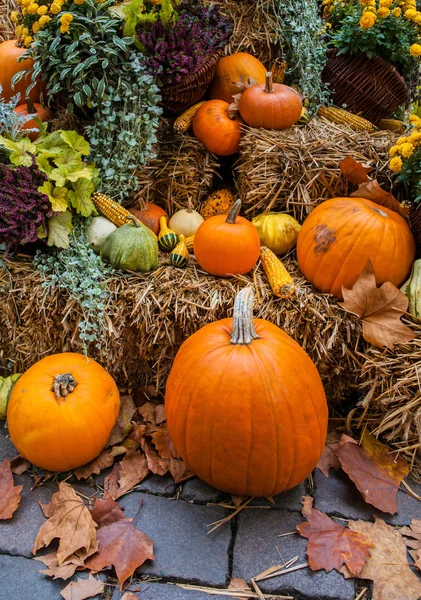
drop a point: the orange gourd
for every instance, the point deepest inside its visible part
(9, 54)
(217, 128)
(226, 245)
(150, 216)
(62, 410)
(271, 105)
(245, 405)
(340, 235)
(37, 110)
(232, 69)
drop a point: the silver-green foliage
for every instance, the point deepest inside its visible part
(123, 136)
(11, 123)
(297, 27)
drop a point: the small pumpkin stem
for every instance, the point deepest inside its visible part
(269, 83)
(63, 385)
(189, 205)
(234, 212)
(243, 332)
(30, 106)
(134, 220)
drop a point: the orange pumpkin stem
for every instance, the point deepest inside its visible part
(243, 332)
(269, 83)
(234, 212)
(63, 385)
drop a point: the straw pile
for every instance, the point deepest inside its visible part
(294, 170)
(183, 169)
(7, 29)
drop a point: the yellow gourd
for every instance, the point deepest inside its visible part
(167, 239)
(277, 231)
(179, 257)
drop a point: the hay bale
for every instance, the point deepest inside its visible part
(296, 169)
(182, 169)
(7, 29)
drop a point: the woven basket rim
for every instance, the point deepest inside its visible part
(334, 53)
(192, 78)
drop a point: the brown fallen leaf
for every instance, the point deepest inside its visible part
(376, 473)
(9, 492)
(180, 471)
(82, 588)
(70, 521)
(132, 470)
(123, 425)
(124, 547)
(156, 464)
(102, 461)
(74, 562)
(329, 545)
(329, 460)
(147, 411)
(129, 596)
(414, 532)
(307, 502)
(106, 511)
(39, 480)
(380, 310)
(371, 190)
(163, 444)
(354, 171)
(19, 465)
(387, 565)
(239, 585)
(160, 415)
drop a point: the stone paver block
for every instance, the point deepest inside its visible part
(196, 490)
(338, 495)
(21, 580)
(255, 550)
(7, 449)
(17, 535)
(165, 591)
(182, 546)
(152, 484)
(289, 500)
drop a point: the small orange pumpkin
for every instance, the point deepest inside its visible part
(270, 106)
(232, 69)
(245, 405)
(340, 235)
(217, 128)
(37, 110)
(150, 216)
(9, 54)
(62, 410)
(226, 245)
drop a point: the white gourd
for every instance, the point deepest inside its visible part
(186, 222)
(97, 232)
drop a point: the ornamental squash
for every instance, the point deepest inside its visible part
(277, 231)
(185, 221)
(217, 128)
(98, 231)
(150, 216)
(62, 410)
(132, 247)
(226, 245)
(340, 235)
(6, 386)
(270, 106)
(245, 405)
(218, 203)
(167, 238)
(412, 289)
(232, 69)
(179, 257)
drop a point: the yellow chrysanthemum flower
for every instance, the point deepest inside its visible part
(33, 9)
(36, 27)
(383, 12)
(19, 31)
(396, 164)
(417, 19)
(44, 20)
(25, 32)
(394, 150)
(410, 13)
(371, 9)
(27, 41)
(406, 150)
(368, 20)
(14, 17)
(401, 140)
(55, 8)
(415, 50)
(386, 3)
(78, 1)
(24, 12)
(66, 18)
(42, 10)
(396, 12)
(415, 138)
(413, 119)
(64, 29)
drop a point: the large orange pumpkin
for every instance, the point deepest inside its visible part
(150, 216)
(62, 410)
(9, 54)
(340, 235)
(37, 110)
(232, 69)
(217, 129)
(270, 105)
(245, 405)
(226, 245)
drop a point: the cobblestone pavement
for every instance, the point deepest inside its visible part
(176, 518)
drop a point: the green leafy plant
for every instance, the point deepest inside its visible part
(143, 13)
(406, 156)
(11, 123)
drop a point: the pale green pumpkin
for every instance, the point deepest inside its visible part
(131, 247)
(412, 289)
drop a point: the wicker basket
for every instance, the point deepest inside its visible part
(415, 217)
(370, 87)
(178, 97)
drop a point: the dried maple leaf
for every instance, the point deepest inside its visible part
(330, 546)
(131, 471)
(376, 473)
(106, 511)
(9, 492)
(387, 565)
(329, 460)
(70, 521)
(180, 471)
(102, 461)
(82, 588)
(380, 310)
(156, 464)
(353, 170)
(69, 566)
(414, 532)
(160, 414)
(371, 190)
(123, 425)
(124, 547)
(239, 585)
(19, 465)
(307, 502)
(163, 443)
(148, 411)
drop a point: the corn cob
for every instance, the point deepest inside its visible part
(184, 121)
(111, 209)
(280, 280)
(343, 117)
(391, 125)
(189, 243)
(278, 70)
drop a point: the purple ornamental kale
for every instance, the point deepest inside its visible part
(23, 209)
